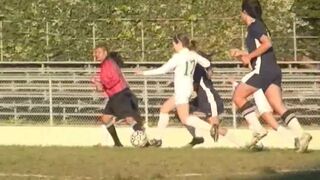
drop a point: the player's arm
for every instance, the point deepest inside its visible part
(265, 45)
(237, 53)
(163, 69)
(204, 62)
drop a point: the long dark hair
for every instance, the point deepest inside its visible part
(193, 47)
(253, 9)
(116, 57)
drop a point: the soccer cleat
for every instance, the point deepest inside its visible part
(304, 142)
(118, 145)
(214, 132)
(257, 147)
(155, 142)
(195, 141)
(256, 138)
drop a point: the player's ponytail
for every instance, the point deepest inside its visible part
(253, 9)
(116, 57)
(193, 45)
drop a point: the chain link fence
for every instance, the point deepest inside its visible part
(66, 96)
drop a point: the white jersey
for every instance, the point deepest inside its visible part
(183, 63)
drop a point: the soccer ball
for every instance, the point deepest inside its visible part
(139, 139)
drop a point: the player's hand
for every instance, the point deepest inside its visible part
(138, 72)
(246, 59)
(235, 53)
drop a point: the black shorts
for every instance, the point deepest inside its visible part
(263, 80)
(208, 100)
(123, 104)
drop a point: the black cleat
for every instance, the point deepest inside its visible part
(118, 145)
(195, 141)
(155, 142)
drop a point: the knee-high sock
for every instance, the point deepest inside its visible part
(197, 123)
(162, 124)
(292, 122)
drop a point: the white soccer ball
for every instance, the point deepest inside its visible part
(139, 139)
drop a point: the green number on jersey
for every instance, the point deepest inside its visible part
(190, 65)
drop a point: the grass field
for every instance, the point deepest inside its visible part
(128, 163)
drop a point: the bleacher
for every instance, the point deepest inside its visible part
(64, 95)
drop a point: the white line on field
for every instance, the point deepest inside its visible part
(20, 175)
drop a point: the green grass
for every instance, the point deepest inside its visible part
(150, 163)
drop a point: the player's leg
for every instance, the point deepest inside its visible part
(274, 96)
(191, 120)
(247, 110)
(196, 139)
(108, 121)
(129, 110)
(112, 131)
(266, 113)
(163, 121)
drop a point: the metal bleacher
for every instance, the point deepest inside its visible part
(61, 94)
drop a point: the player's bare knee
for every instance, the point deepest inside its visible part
(106, 119)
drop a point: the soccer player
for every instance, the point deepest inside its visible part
(122, 103)
(208, 103)
(265, 75)
(183, 62)
(116, 57)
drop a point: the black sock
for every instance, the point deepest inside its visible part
(114, 135)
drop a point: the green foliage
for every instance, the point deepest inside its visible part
(60, 30)
(308, 12)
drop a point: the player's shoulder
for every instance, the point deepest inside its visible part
(257, 25)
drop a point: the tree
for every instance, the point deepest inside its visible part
(308, 24)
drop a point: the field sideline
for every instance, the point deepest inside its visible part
(21, 162)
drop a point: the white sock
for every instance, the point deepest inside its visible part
(283, 133)
(197, 123)
(295, 127)
(254, 123)
(232, 138)
(162, 124)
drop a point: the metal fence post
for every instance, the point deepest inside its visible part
(50, 102)
(94, 38)
(242, 38)
(146, 101)
(142, 42)
(192, 30)
(1, 41)
(47, 40)
(234, 111)
(294, 39)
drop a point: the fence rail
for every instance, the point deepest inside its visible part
(49, 98)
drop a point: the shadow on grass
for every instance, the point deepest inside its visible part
(269, 173)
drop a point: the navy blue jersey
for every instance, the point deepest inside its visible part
(199, 72)
(267, 61)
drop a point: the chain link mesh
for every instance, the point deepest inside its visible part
(66, 96)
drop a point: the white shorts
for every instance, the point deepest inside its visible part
(182, 95)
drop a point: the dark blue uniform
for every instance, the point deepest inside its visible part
(265, 70)
(208, 100)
